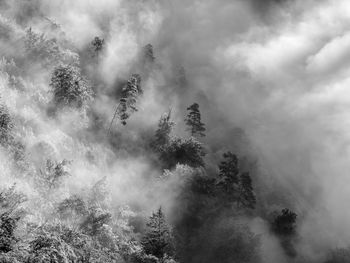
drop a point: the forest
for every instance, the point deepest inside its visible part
(117, 143)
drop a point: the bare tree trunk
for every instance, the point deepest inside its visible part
(115, 114)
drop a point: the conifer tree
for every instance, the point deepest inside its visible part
(129, 97)
(162, 136)
(228, 170)
(246, 196)
(193, 121)
(157, 240)
(236, 186)
(128, 100)
(70, 88)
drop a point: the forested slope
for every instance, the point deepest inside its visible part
(111, 153)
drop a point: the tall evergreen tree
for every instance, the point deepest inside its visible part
(128, 100)
(129, 97)
(228, 171)
(246, 196)
(162, 136)
(158, 240)
(236, 186)
(193, 121)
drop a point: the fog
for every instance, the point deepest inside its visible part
(271, 78)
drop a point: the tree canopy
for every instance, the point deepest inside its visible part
(69, 87)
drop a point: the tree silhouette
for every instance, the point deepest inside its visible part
(284, 223)
(236, 186)
(183, 151)
(246, 196)
(284, 226)
(193, 121)
(97, 45)
(228, 173)
(157, 240)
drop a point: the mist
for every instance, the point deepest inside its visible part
(270, 78)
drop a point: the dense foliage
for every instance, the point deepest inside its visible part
(70, 88)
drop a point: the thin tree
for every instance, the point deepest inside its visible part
(128, 100)
(193, 121)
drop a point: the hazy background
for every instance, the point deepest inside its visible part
(271, 73)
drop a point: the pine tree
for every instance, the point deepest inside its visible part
(70, 88)
(128, 100)
(157, 240)
(193, 121)
(228, 170)
(162, 136)
(236, 186)
(246, 196)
